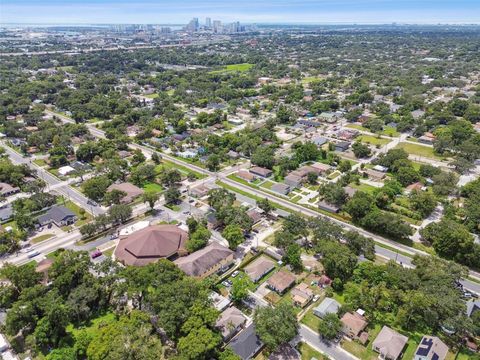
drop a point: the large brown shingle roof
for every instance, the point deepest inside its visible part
(150, 244)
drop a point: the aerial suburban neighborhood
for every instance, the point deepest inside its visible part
(220, 190)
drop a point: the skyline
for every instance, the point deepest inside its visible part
(265, 12)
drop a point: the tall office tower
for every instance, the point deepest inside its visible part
(192, 26)
(208, 23)
(217, 26)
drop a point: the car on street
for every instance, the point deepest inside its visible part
(33, 253)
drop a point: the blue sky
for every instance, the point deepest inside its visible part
(247, 11)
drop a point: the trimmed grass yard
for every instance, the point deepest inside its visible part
(311, 320)
(41, 238)
(417, 149)
(183, 169)
(40, 162)
(267, 184)
(333, 175)
(390, 131)
(374, 140)
(76, 209)
(357, 127)
(233, 68)
(152, 96)
(153, 187)
(308, 352)
(364, 187)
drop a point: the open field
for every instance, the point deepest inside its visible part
(233, 68)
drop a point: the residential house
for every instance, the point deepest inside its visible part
(416, 186)
(327, 306)
(472, 307)
(246, 344)
(43, 267)
(427, 138)
(58, 215)
(350, 191)
(309, 122)
(380, 168)
(293, 181)
(6, 212)
(207, 261)
(329, 117)
(230, 322)
(301, 295)
(319, 140)
(245, 175)
(389, 344)
(281, 281)
(199, 191)
(7, 189)
(353, 324)
(65, 170)
(258, 268)
(282, 189)
(342, 146)
(212, 221)
(285, 352)
(262, 172)
(233, 154)
(375, 175)
(219, 302)
(328, 207)
(321, 168)
(132, 192)
(431, 348)
(254, 215)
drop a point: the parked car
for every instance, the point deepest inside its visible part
(95, 254)
(235, 273)
(316, 297)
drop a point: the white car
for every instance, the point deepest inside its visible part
(235, 273)
(316, 297)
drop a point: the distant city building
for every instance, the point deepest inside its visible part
(208, 22)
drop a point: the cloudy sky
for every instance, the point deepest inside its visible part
(247, 11)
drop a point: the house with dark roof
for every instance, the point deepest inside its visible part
(293, 181)
(151, 244)
(431, 348)
(285, 352)
(257, 170)
(207, 261)
(282, 189)
(247, 344)
(472, 307)
(342, 146)
(58, 215)
(6, 212)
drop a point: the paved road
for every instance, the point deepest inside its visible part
(330, 349)
(472, 286)
(59, 186)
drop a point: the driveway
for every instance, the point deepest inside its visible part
(332, 350)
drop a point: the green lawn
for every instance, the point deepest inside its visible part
(333, 175)
(308, 352)
(40, 162)
(390, 131)
(41, 238)
(183, 169)
(267, 184)
(311, 320)
(364, 187)
(374, 140)
(94, 325)
(153, 187)
(357, 127)
(76, 209)
(419, 150)
(152, 96)
(361, 351)
(233, 68)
